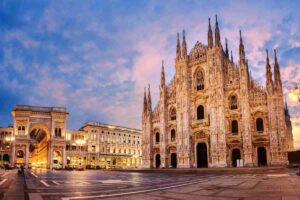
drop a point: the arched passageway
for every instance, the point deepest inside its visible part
(202, 155)
(6, 158)
(38, 156)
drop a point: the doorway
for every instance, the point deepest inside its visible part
(173, 160)
(236, 155)
(261, 156)
(157, 161)
(202, 155)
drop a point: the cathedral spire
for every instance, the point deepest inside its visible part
(184, 48)
(277, 77)
(162, 78)
(286, 109)
(210, 41)
(217, 34)
(178, 49)
(145, 101)
(226, 49)
(149, 103)
(269, 81)
(241, 49)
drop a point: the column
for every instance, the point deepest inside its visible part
(64, 157)
(27, 156)
(12, 157)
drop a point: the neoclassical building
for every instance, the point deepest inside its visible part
(39, 138)
(214, 114)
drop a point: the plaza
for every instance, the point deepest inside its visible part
(258, 183)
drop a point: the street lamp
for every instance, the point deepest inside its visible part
(80, 142)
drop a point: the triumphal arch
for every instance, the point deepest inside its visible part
(39, 136)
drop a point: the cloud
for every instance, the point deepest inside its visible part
(96, 58)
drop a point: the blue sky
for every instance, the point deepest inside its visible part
(95, 57)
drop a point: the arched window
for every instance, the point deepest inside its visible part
(173, 114)
(173, 135)
(259, 125)
(200, 81)
(234, 127)
(200, 112)
(233, 104)
(20, 154)
(57, 132)
(157, 137)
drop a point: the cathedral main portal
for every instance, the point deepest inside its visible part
(202, 160)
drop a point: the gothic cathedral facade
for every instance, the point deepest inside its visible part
(214, 114)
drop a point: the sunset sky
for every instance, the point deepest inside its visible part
(95, 57)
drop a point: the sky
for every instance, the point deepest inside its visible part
(96, 57)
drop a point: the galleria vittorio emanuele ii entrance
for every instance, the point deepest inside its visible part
(39, 136)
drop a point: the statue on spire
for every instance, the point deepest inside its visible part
(162, 78)
(210, 41)
(149, 103)
(184, 48)
(145, 101)
(269, 81)
(277, 78)
(217, 34)
(178, 49)
(241, 49)
(226, 49)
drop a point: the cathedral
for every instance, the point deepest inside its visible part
(214, 114)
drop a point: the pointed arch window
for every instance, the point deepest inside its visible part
(259, 125)
(157, 137)
(173, 114)
(173, 135)
(199, 81)
(234, 127)
(200, 112)
(233, 104)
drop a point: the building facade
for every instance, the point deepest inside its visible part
(39, 138)
(214, 114)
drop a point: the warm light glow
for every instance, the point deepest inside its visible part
(10, 138)
(80, 142)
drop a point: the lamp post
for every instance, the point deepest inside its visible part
(80, 142)
(10, 139)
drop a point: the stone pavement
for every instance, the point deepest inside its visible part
(155, 185)
(115, 185)
(13, 188)
(239, 187)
